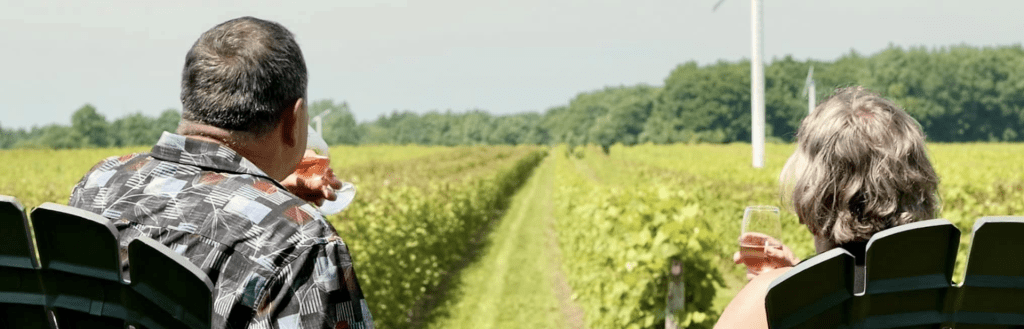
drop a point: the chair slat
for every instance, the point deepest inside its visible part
(16, 248)
(177, 293)
(814, 294)
(22, 300)
(80, 265)
(994, 279)
(908, 274)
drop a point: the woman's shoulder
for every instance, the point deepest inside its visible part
(746, 310)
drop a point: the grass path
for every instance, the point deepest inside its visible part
(514, 283)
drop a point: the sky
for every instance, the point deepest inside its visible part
(500, 56)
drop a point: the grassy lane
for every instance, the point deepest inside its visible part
(510, 286)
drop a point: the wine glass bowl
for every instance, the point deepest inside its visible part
(318, 167)
(345, 195)
(761, 229)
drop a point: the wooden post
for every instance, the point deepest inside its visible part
(676, 299)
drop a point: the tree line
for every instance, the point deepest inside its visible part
(957, 93)
(89, 128)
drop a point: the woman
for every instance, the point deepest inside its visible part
(860, 167)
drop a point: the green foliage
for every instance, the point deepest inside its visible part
(57, 137)
(36, 176)
(339, 125)
(617, 235)
(167, 121)
(134, 129)
(90, 126)
(415, 219)
(702, 104)
(90, 129)
(620, 217)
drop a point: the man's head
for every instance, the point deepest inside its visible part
(244, 84)
(860, 167)
(242, 75)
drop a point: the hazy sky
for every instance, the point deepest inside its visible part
(500, 56)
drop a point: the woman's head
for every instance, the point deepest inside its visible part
(860, 167)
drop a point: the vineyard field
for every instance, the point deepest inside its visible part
(600, 228)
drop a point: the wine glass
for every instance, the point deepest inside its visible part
(761, 229)
(346, 193)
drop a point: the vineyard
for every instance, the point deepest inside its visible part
(503, 236)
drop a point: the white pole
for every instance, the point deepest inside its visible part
(319, 121)
(811, 101)
(757, 131)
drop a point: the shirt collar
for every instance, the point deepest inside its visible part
(191, 151)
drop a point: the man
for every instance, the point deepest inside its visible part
(220, 193)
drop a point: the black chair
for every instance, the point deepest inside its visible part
(993, 284)
(22, 299)
(908, 274)
(77, 281)
(814, 294)
(81, 269)
(168, 290)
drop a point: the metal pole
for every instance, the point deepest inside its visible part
(811, 101)
(318, 120)
(757, 131)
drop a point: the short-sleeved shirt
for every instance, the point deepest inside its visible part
(273, 259)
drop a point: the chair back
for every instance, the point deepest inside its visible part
(175, 293)
(80, 265)
(22, 300)
(908, 273)
(814, 294)
(994, 280)
(77, 281)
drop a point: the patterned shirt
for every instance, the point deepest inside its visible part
(273, 259)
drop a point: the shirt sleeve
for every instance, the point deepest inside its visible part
(318, 289)
(83, 192)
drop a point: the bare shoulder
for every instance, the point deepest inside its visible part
(746, 310)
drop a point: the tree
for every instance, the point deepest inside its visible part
(339, 126)
(628, 111)
(86, 123)
(167, 121)
(7, 137)
(57, 137)
(707, 104)
(132, 130)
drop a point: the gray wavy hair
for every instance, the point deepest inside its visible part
(860, 167)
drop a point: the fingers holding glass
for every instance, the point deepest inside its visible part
(760, 229)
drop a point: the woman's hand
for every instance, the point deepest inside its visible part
(313, 180)
(774, 255)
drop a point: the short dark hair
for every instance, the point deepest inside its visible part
(242, 75)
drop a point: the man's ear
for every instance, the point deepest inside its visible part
(291, 123)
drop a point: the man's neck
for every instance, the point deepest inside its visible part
(258, 150)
